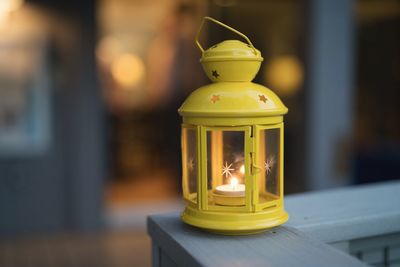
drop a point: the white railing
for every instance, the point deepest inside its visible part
(326, 228)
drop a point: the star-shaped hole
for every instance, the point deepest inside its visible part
(227, 170)
(215, 74)
(269, 164)
(215, 98)
(263, 98)
(190, 164)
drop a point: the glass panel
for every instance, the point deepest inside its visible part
(189, 164)
(269, 161)
(225, 167)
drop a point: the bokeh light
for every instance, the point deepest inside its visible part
(128, 70)
(108, 49)
(7, 6)
(285, 74)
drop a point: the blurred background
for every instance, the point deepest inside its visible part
(89, 129)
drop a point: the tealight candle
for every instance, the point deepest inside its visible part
(233, 189)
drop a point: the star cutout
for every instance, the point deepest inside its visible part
(263, 98)
(215, 98)
(215, 74)
(269, 164)
(227, 169)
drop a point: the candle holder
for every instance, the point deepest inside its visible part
(232, 144)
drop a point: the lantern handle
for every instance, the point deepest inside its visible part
(225, 26)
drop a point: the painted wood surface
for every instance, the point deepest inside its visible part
(334, 216)
(346, 213)
(282, 246)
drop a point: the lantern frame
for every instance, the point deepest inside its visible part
(201, 209)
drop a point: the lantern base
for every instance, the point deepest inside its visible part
(235, 223)
(229, 200)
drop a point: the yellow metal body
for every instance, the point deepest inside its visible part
(232, 103)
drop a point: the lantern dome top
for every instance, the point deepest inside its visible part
(230, 50)
(233, 99)
(230, 60)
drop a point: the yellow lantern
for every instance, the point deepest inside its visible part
(232, 144)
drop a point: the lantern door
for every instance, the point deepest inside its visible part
(269, 162)
(226, 166)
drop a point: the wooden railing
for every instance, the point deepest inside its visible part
(352, 226)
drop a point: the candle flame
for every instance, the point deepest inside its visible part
(234, 182)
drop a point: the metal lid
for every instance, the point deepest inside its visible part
(231, 50)
(233, 99)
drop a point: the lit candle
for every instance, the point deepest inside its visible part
(233, 189)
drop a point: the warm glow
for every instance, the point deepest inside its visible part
(241, 169)
(108, 49)
(234, 182)
(128, 70)
(285, 74)
(7, 6)
(10, 5)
